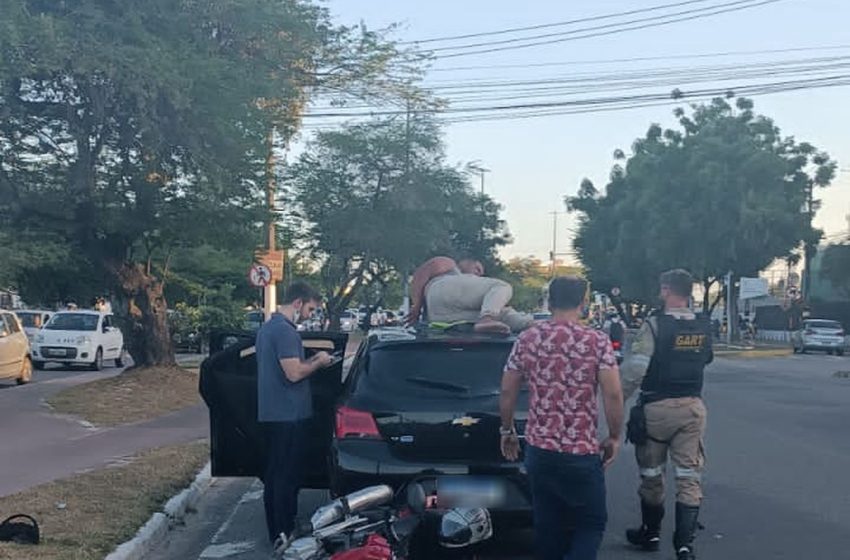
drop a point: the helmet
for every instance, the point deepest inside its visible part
(460, 527)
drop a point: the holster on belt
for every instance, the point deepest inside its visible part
(636, 432)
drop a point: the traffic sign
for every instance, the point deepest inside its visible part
(260, 275)
(273, 260)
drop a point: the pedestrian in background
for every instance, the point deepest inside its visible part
(667, 360)
(285, 404)
(563, 363)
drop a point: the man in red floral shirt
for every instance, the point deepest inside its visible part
(563, 363)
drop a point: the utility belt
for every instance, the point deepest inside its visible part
(636, 431)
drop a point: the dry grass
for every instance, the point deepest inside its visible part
(132, 396)
(102, 508)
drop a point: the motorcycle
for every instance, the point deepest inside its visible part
(376, 524)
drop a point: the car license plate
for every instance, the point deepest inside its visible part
(470, 491)
(55, 352)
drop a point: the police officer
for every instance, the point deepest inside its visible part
(667, 361)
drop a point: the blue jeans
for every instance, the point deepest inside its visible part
(286, 446)
(570, 514)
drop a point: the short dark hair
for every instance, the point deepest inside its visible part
(567, 292)
(679, 281)
(302, 291)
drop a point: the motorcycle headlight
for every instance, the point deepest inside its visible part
(83, 340)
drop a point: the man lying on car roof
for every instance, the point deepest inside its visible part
(450, 292)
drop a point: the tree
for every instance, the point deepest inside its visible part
(528, 276)
(376, 199)
(836, 267)
(725, 191)
(132, 131)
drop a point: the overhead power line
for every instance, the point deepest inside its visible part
(790, 85)
(552, 25)
(635, 59)
(570, 32)
(734, 8)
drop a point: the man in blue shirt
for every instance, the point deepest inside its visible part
(285, 404)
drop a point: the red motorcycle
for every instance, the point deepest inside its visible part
(375, 524)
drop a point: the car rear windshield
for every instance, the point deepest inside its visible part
(823, 325)
(30, 320)
(437, 370)
(73, 322)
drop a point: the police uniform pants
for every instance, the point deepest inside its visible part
(676, 428)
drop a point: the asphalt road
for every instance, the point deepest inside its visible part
(39, 446)
(776, 485)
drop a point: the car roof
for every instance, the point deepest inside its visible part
(81, 311)
(384, 336)
(33, 311)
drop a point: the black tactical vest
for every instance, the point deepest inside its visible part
(682, 350)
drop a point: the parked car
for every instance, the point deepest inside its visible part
(32, 320)
(79, 338)
(414, 405)
(348, 321)
(15, 361)
(819, 334)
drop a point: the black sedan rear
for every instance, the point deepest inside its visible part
(413, 406)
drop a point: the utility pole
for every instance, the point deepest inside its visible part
(405, 284)
(270, 291)
(729, 307)
(809, 247)
(554, 240)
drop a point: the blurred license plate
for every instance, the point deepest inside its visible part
(55, 352)
(469, 491)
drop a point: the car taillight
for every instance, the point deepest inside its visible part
(616, 344)
(351, 423)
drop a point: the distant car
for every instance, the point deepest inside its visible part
(32, 320)
(348, 321)
(819, 334)
(15, 361)
(79, 338)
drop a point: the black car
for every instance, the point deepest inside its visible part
(414, 406)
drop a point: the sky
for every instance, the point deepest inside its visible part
(535, 162)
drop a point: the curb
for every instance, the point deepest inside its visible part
(161, 522)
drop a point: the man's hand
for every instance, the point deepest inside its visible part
(610, 447)
(510, 447)
(323, 359)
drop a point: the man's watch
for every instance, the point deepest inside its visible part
(507, 431)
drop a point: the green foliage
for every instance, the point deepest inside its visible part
(836, 267)
(377, 199)
(725, 191)
(529, 277)
(130, 132)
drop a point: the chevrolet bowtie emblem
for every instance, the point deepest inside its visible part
(465, 421)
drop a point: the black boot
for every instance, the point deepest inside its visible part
(648, 536)
(686, 528)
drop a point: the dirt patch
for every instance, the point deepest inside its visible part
(132, 396)
(755, 353)
(86, 516)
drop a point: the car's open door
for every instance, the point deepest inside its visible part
(326, 387)
(228, 385)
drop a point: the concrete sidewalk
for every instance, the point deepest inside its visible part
(38, 446)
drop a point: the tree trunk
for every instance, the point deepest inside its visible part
(149, 339)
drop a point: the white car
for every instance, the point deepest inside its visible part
(33, 320)
(819, 334)
(79, 338)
